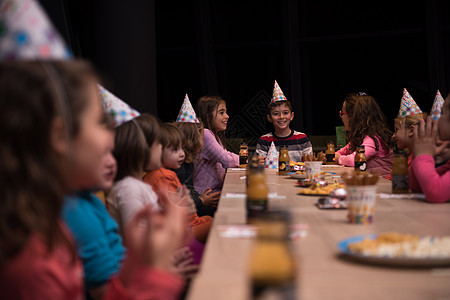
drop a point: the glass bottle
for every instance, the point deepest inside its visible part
(283, 161)
(243, 155)
(400, 176)
(257, 191)
(272, 266)
(360, 159)
(253, 163)
(329, 153)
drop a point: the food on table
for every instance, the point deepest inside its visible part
(398, 245)
(320, 190)
(293, 163)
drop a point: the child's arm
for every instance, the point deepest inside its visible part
(261, 149)
(212, 150)
(434, 183)
(370, 151)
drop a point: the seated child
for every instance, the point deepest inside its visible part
(166, 182)
(423, 176)
(209, 169)
(281, 115)
(129, 194)
(365, 124)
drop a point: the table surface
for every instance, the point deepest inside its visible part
(322, 272)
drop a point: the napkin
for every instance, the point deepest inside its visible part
(437, 106)
(277, 93)
(187, 113)
(271, 158)
(408, 106)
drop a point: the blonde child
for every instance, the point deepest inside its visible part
(423, 176)
(365, 124)
(209, 169)
(57, 148)
(165, 181)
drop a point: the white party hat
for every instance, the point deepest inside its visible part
(187, 113)
(119, 110)
(437, 106)
(271, 161)
(26, 33)
(277, 93)
(408, 106)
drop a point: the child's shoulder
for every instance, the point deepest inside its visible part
(267, 136)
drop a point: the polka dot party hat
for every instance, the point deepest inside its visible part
(187, 113)
(271, 161)
(437, 106)
(119, 110)
(408, 106)
(26, 33)
(277, 93)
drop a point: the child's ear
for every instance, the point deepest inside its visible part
(292, 116)
(58, 137)
(269, 118)
(411, 130)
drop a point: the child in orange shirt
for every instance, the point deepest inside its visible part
(166, 182)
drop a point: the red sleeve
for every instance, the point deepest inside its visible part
(147, 283)
(434, 183)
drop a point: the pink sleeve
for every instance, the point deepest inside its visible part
(434, 183)
(349, 159)
(147, 283)
(213, 151)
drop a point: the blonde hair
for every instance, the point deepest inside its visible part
(410, 120)
(192, 139)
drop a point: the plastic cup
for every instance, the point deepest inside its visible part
(313, 169)
(361, 203)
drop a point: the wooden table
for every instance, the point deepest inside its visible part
(322, 272)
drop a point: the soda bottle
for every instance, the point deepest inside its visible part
(360, 159)
(283, 161)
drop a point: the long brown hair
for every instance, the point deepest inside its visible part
(192, 139)
(365, 119)
(32, 184)
(207, 107)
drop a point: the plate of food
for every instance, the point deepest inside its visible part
(398, 249)
(318, 190)
(298, 175)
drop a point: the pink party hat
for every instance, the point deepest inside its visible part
(277, 93)
(187, 113)
(408, 106)
(437, 106)
(27, 33)
(119, 110)
(271, 161)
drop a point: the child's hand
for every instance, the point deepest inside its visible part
(152, 238)
(336, 157)
(425, 137)
(210, 199)
(182, 263)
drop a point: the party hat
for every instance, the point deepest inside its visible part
(119, 110)
(408, 106)
(271, 161)
(437, 106)
(187, 113)
(277, 93)
(27, 33)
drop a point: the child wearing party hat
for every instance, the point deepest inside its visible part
(281, 115)
(409, 116)
(423, 175)
(192, 130)
(443, 149)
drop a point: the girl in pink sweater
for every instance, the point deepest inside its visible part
(365, 124)
(423, 176)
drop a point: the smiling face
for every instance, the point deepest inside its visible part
(173, 158)
(220, 118)
(281, 116)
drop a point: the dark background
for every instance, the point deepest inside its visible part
(151, 53)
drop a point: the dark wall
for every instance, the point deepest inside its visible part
(152, 53)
